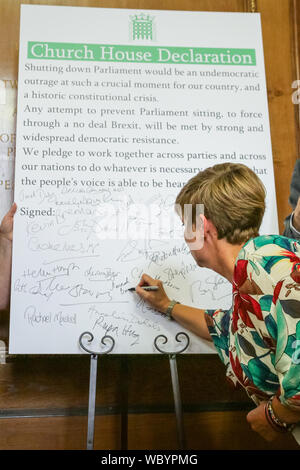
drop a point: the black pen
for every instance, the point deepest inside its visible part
(149, 288)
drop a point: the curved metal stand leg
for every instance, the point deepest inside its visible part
(93, 382)
(175, 383)
(92, 402)
(177, 401)
(124, 404)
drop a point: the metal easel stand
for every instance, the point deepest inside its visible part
(93, 381)
(175, 382)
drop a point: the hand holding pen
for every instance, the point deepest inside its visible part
(152, 291)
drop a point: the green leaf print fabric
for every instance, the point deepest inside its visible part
(258, 339)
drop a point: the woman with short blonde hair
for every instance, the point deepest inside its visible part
(257, 338)
(233, 197)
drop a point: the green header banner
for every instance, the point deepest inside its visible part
(140, 54)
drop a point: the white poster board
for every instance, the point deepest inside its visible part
(117, 109)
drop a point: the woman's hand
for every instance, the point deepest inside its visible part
(191, 318)
(258, 422)
(156, 299)
(6, 227)
(296, 216)
(6, 235)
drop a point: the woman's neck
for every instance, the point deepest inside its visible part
(225, 258)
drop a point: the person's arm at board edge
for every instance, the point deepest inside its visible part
(6, 235)
(191, 318)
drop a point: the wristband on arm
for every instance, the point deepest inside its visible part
(274, 421)
(170, 308)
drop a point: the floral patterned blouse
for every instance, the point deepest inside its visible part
(258, 339)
